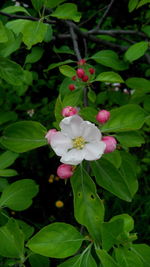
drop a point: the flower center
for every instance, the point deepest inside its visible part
(79, 142)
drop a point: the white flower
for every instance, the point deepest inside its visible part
(77, 140)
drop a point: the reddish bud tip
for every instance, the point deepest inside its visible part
(49, 135)
(81, 62)
(103, 116)
(74, 78)
(110, 142)
(64, 171)
(71, 87)
(69, 111)
(85, 78)
(91, 71)
(80, 73)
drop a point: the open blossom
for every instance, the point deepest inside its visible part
(49, 135)
(77, 140)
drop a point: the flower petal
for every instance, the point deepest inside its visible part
(70, 126)
(90, 132)
(60, 143)
(73, 157)
(94, 150)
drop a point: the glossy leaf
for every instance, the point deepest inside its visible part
(18, 196)
(33, 33)
(130, 139)
(67, 11)
(3, 184)
(111, 179)
(127, 118)
(7, 158)
(53, 3)
(55, 65)
(88, 208)
(35, 55)
(11, 45)
(67, 71)
(114, 157)
(15, 9)
(109, 76)
(37, 260)
(27, 229)
(127, 258)
(58, 240)
(110, 59)
(17, 25)
(89, 114)
(12, 239)
(23, 136)
(7, 116)
(8, 173)
(141, 85)
(37, 4)
(106, 259)
(136, 51)
(10, 71)
(72, 98)
(132, 5)
(3, 33)
(143, 2)
(143, 252)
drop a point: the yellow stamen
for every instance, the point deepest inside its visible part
(59, 204)
(79, 142)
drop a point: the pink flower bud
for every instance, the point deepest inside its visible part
(49, 135)
(69, 111)
(71, 87)
(81, 62)
(74, 78)
(91, 71)
(110, 142)
(103, 116)
(85, 78)
(64, 171)
(80, 73)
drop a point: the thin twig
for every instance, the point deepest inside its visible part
(75, 43)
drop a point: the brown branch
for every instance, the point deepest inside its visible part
(75, 43)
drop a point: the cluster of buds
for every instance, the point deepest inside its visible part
(81, 75)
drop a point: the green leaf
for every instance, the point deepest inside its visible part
(128, 222)
(136, 51)
(67, 70)
(35, 55)
(33, 33)
(141, 85)
(58, 240)
(109, 76)
(64, 49)
(37, 260)
(89, 113)
(7, 158)
(8, 173)
(91, 95)
(73, 98)
(17, 25)
(110, 59)
(106, 259)
(37, 4)
(3, 33)
(15, 9)
(26, 229)
(143, 2)
(10, 71)
(146, 30)
(143, 251)
(111, 179)
(3, 184)
(129, 117)
(23, 136)
(127, 258)
(110, 232)
(53, 3)
(12, 239)
(11, 45)
(88, 207)
(130, 139)
(7, 116)
(67, 11)
(58, 109)
(55, 65)
(114, 157)
(18, 196)
(132, 5)
(84, 259)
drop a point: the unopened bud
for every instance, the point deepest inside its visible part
(81, 62)
(69, 111)
(103, 116)
(65, 171)
(74, 78)
(71, 87)
(110, 142)
(85, 78)
(91, 71)
(80, 73)
(49, 135)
